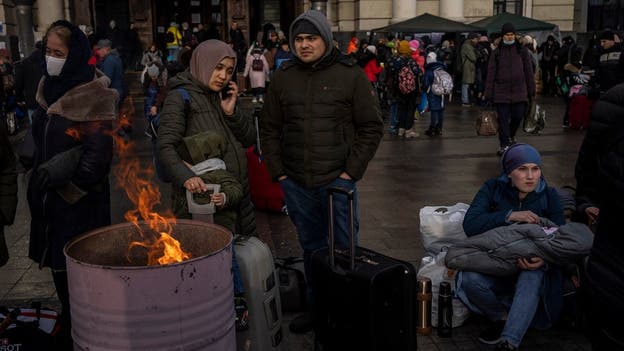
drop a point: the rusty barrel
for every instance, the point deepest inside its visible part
(120, 303)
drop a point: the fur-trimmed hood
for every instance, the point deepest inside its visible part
(92, 101)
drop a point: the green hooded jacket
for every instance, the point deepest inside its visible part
(205, 114)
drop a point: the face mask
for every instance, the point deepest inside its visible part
(509, 42)
(54, 65)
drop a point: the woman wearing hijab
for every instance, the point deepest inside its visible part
(533, 297)
(213, 107)
(68, 192)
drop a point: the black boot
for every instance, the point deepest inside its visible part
(430, 132)
(438, 131)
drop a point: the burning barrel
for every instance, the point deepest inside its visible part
(118, 302)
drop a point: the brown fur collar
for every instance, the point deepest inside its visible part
(92, 101)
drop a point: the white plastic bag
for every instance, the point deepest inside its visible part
(434, 269)
(441, 226)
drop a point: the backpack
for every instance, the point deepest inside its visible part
(442, 82)
(169, 37)
(406, 79)
(153, 123)
(257, 64)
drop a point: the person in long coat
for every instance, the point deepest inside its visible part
(468, 57)
(257, 77)
(68, 192)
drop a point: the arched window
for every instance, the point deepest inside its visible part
(510, 6)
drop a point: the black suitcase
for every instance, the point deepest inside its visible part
(364, 301)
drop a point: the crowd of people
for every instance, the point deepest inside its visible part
(71, 82)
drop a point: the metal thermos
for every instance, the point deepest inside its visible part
(445, 310)
(423, 296)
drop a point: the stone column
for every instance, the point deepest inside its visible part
(403, 10)
(24, 19)
(452, 9)
(49, 12)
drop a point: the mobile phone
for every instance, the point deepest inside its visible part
(225, 92)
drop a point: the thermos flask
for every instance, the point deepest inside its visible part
(445, 310)
(423, 296)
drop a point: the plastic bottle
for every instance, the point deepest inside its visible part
(445, 311)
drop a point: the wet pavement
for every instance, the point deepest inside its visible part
(404, 176)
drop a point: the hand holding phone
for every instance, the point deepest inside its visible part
(225, 92)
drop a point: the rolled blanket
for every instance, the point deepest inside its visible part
(497, 251)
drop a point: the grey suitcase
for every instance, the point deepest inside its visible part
(262, 294)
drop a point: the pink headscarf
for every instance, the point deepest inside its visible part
(205, 58)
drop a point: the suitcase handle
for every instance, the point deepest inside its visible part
(349, 193)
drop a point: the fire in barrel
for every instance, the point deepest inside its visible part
(152, 283)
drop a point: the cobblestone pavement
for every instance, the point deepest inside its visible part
(404, 176)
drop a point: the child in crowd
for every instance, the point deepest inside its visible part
(436, 102)
(155, 91)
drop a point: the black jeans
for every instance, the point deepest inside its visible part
(509, 118)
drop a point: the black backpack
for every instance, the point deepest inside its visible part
(257, 64)
(169, 37)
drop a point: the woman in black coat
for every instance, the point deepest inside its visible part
(68, 192)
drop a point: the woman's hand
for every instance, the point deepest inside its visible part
(195, 185)
(218, 199)
(530, 264)
(523, 216)
(229, 103)
(153, 111)
(592, 214)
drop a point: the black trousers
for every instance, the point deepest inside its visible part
(509, 119)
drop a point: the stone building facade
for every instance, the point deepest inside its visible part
(152, 17)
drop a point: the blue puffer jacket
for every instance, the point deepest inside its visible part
(497, 198)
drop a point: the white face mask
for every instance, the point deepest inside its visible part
(509, 42)
(54, 65)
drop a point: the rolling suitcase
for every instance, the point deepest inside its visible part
(361, 301)
(262, 294)
(579, 113)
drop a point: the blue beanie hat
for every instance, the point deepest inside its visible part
(517, 155)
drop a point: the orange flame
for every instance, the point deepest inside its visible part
(74, 133)
(142, 191)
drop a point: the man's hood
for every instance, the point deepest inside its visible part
(319, 20)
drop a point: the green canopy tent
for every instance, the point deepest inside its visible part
(523, 24)
(427, 23)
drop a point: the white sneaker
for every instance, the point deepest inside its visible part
(261, 100)
(401, 132)
(254, 100)
(411, 134)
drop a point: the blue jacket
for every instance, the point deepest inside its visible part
(490, 208)
(113, 68)
(435, 101)
(497, 199)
